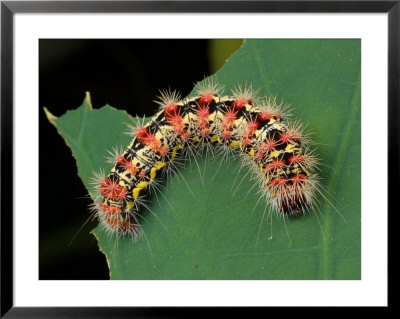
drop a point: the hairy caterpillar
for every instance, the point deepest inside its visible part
(274, 148)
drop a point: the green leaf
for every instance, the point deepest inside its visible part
(208, 222)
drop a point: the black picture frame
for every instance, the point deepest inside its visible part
(9, 8)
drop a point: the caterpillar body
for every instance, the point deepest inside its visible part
(272, 146)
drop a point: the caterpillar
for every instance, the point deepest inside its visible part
(273, 147)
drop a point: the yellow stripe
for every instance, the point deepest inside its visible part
(153, 173)
(142, 184)
(296, 170)
(154, 170)
(137, 189)
(235, 144)
(135, 192)
(159, 165)
(289, 148)
(196, 139)
(274, 154)
(175, 150)
(215, 138)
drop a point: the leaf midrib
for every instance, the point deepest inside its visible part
(355, 102)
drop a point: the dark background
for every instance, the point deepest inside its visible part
(126, 74)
